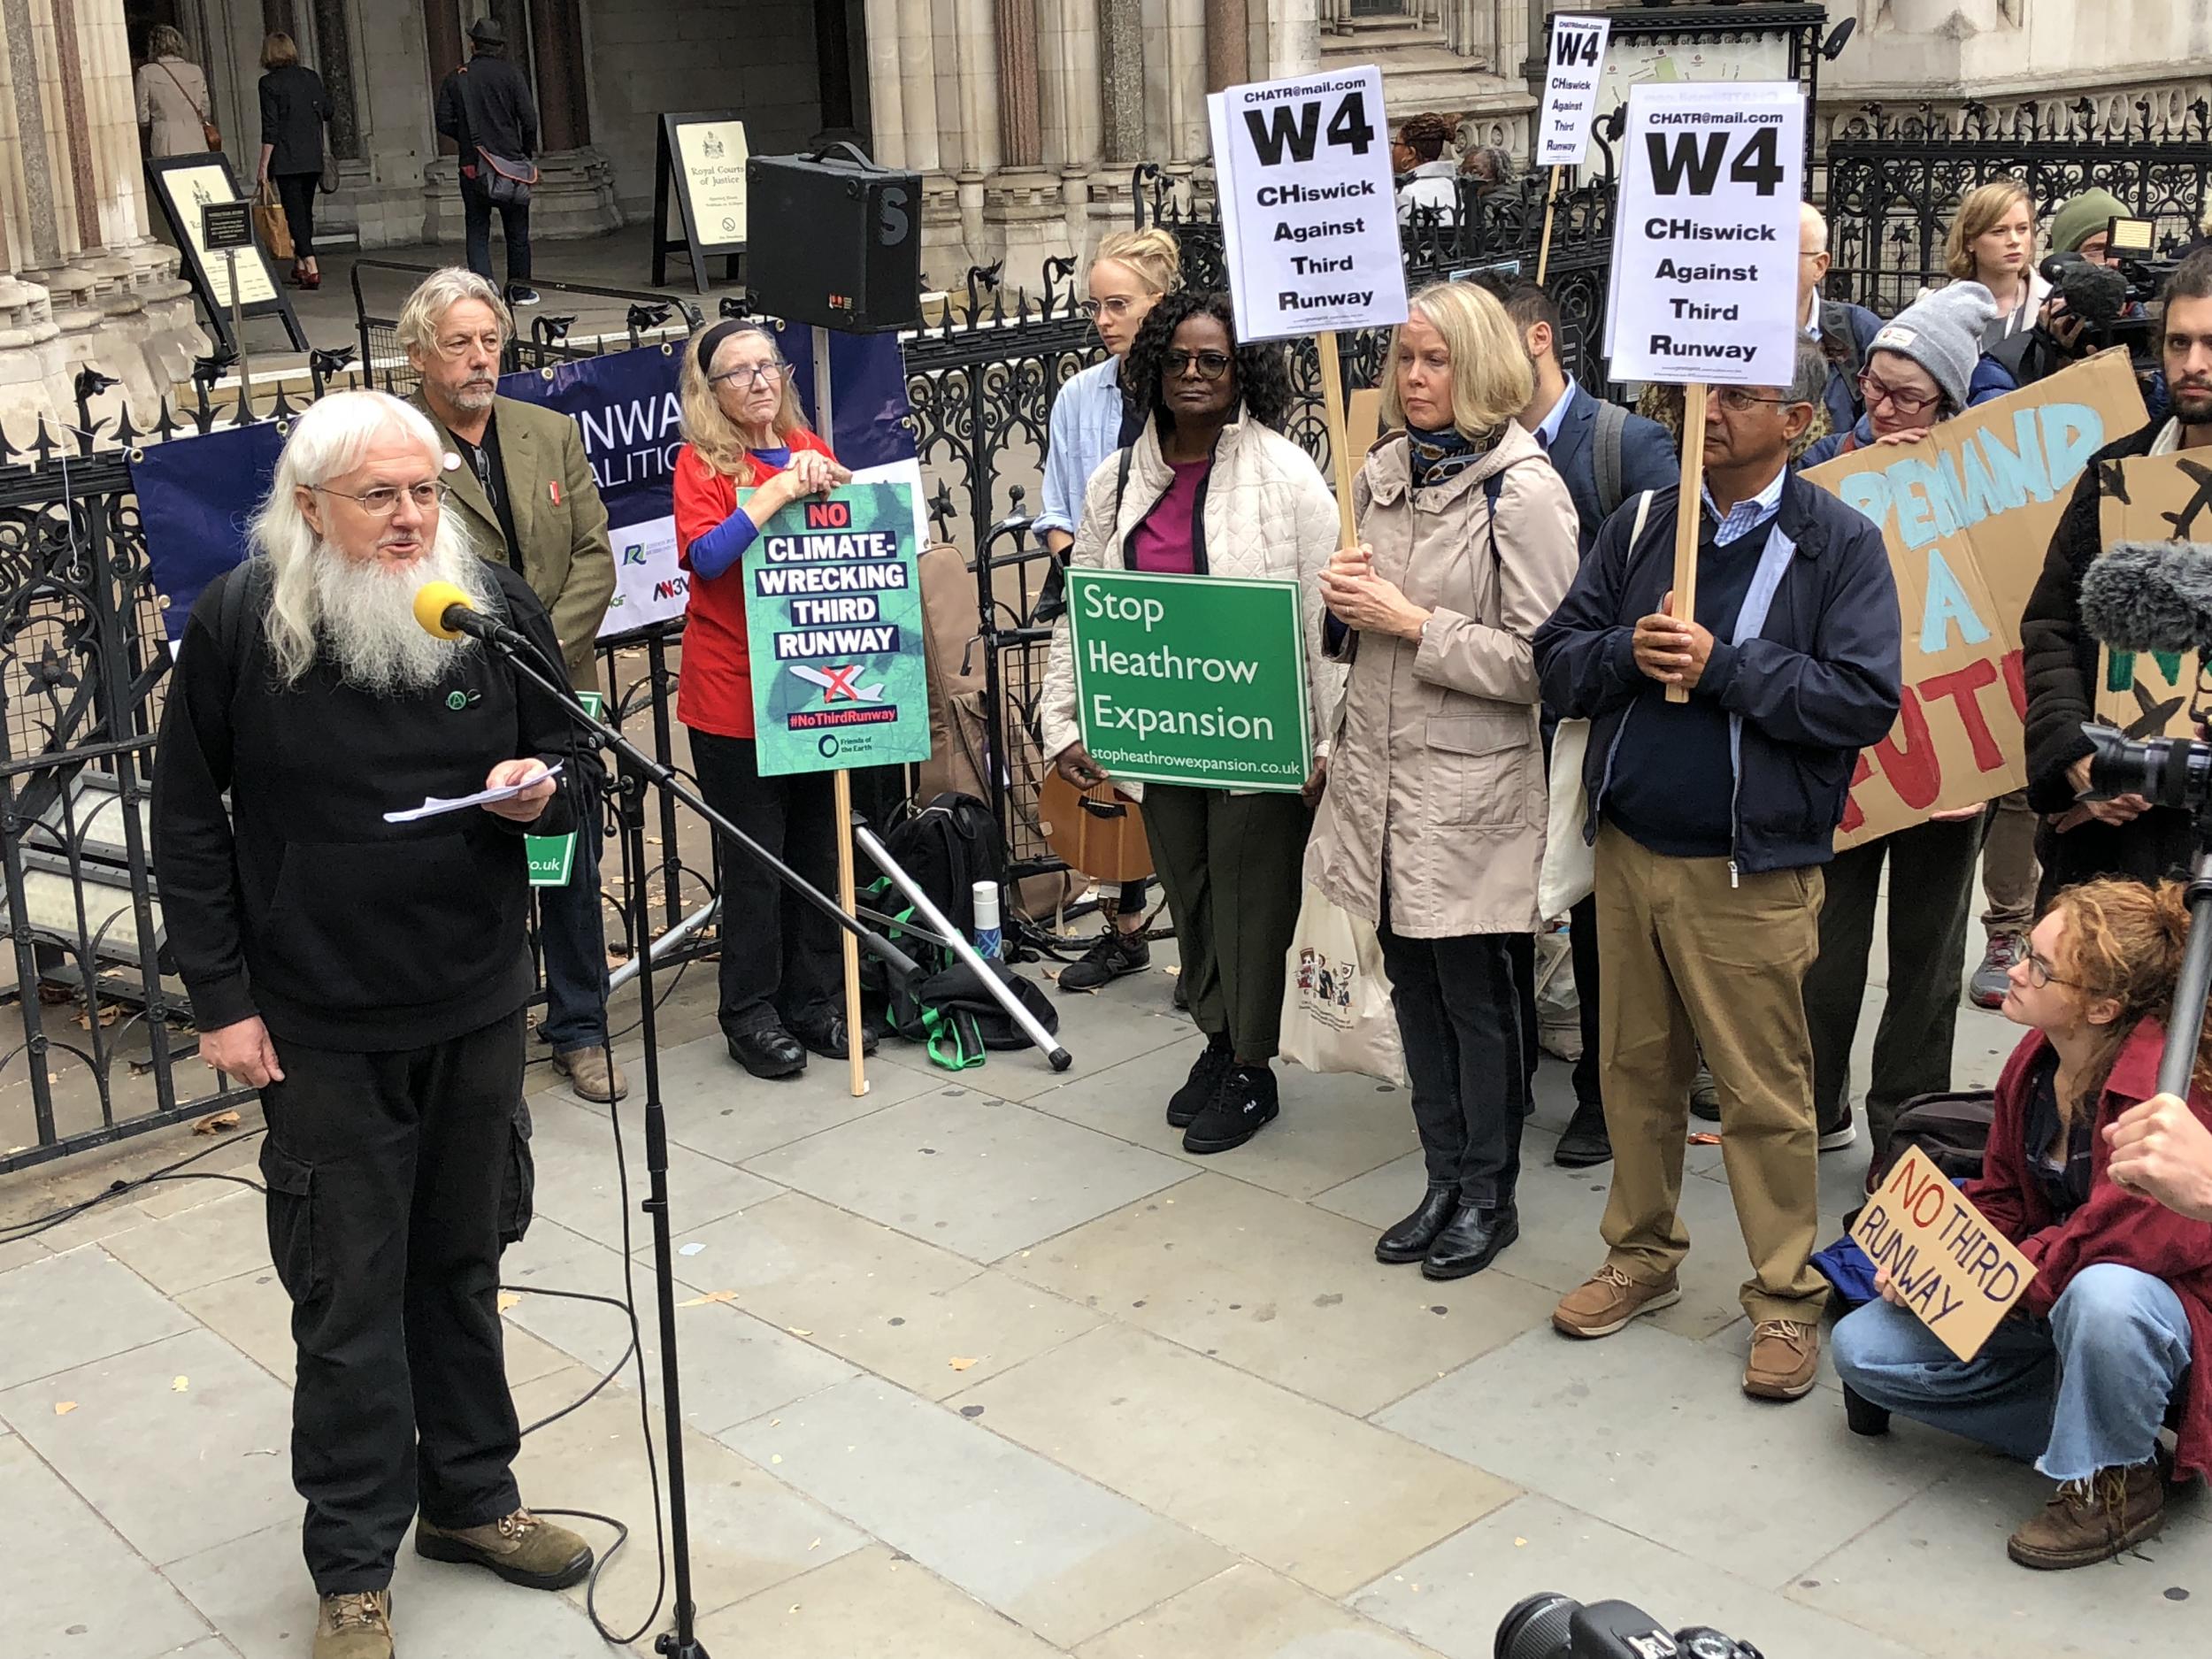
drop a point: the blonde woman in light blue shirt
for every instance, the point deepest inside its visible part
(1132, 270)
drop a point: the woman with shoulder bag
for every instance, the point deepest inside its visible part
(172, 98)
(1211, 487)
(1091, 420)
(1431, 826)
(294, 107)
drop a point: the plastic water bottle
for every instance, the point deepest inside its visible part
(986, 932)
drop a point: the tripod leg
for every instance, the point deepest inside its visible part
(1060, 1058)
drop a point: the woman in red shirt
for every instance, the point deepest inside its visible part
(781, 958)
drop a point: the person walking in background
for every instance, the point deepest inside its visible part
(293, 108)
(1923, 367)
(1091, 420)
(781, 968)
(526, 497)
(486, 107)
(1711, 818)
(1606, 455)
(171, 92)
(1432, 819)
(1212, 488)
(2084, 1374)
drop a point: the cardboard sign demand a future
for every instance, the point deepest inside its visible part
(1705, 277)
(1968, 513)
(1191, 679)
(1308, 211)
(2160, 498)
(1570, 90)
(833, 616)
(1953, 1269)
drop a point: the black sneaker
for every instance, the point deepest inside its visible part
(1205, 1072)
(1115, 953)
(1585, 1144)
(1243, 1103)
(1836, 1136)
(522, 296)
(1704, 1095)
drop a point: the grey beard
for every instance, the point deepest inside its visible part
(367, 627)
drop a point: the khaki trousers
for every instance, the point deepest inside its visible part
(1693, 964)
(2009, 871)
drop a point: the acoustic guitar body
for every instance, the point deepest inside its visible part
(1098, 831)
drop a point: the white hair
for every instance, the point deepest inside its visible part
(359, 615)
(438, 293)
(1809, 216)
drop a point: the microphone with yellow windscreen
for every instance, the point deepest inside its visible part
(435, 605)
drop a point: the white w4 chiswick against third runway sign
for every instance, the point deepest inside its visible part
(1309, 215)
(1705, 283)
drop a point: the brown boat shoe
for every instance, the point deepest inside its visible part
(1785, 1359)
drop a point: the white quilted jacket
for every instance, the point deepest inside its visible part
(1267, 514)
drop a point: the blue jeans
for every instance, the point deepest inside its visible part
(514, 219)
(2085, 1390)
(572, 940)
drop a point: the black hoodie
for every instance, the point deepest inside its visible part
(301, 903)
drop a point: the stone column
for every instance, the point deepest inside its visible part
(1228, 44)
(1023, 220)
(86, 285)
(1176, 77)
(564, 101)
(886, 90)
(1070, 107)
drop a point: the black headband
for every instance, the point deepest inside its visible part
(710, 342)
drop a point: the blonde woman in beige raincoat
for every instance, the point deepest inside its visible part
(1432, 825)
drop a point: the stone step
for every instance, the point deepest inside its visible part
(1400, 34)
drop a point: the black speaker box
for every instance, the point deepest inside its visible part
(834, 240)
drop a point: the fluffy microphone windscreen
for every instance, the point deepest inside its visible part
(433, 600)
(2150, 596)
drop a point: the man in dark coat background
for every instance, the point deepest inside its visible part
(485, 106)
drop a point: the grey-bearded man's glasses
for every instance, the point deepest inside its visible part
(383, 501)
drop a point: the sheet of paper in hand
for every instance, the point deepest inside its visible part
(1953, 1269)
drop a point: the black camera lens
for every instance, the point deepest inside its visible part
(2164, 771)
(1537, 1628)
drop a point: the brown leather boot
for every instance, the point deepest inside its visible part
(2092, 1520)
(358, 1626)
(519, 1547)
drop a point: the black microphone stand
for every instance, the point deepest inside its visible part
(634, 771)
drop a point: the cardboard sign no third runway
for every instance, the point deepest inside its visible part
(1953, 1269)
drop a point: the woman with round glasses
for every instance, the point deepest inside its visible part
(1091, 420)
(781, 966)
(1921, 368)
(2112, 1334)
(1213, 488)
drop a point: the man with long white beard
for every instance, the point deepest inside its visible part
(369, 979)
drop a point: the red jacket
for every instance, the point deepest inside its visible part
(2116, 1224)
(714, 693)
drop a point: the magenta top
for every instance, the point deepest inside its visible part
(1166, 542)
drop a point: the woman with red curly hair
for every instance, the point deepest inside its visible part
(2082, 1375)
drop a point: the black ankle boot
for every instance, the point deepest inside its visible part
(1409, 1240)
(1863, 1415)
(1473, 1241)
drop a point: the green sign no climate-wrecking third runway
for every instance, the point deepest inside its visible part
(1192, 679)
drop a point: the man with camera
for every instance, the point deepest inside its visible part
(2082, 836)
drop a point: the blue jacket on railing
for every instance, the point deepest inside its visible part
(1817, 683)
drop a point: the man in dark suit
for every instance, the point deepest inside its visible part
(523, 489)
(1607, 455)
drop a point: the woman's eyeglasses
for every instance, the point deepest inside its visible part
(1211, 365)
(383, 501)
(1908, 403)
(2039, 973)
(748, 375)
(1113, 305)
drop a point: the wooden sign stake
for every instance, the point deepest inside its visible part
(841, 787)
(1543, 248)
(1340, 455)
(1688, 509)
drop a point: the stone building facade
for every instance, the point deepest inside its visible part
(1024, 118)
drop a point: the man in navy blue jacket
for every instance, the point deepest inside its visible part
(1711, 818)
(1607, 454)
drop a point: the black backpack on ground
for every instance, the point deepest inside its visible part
(948, 847)
(1951, 1129)
(952, 1015)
